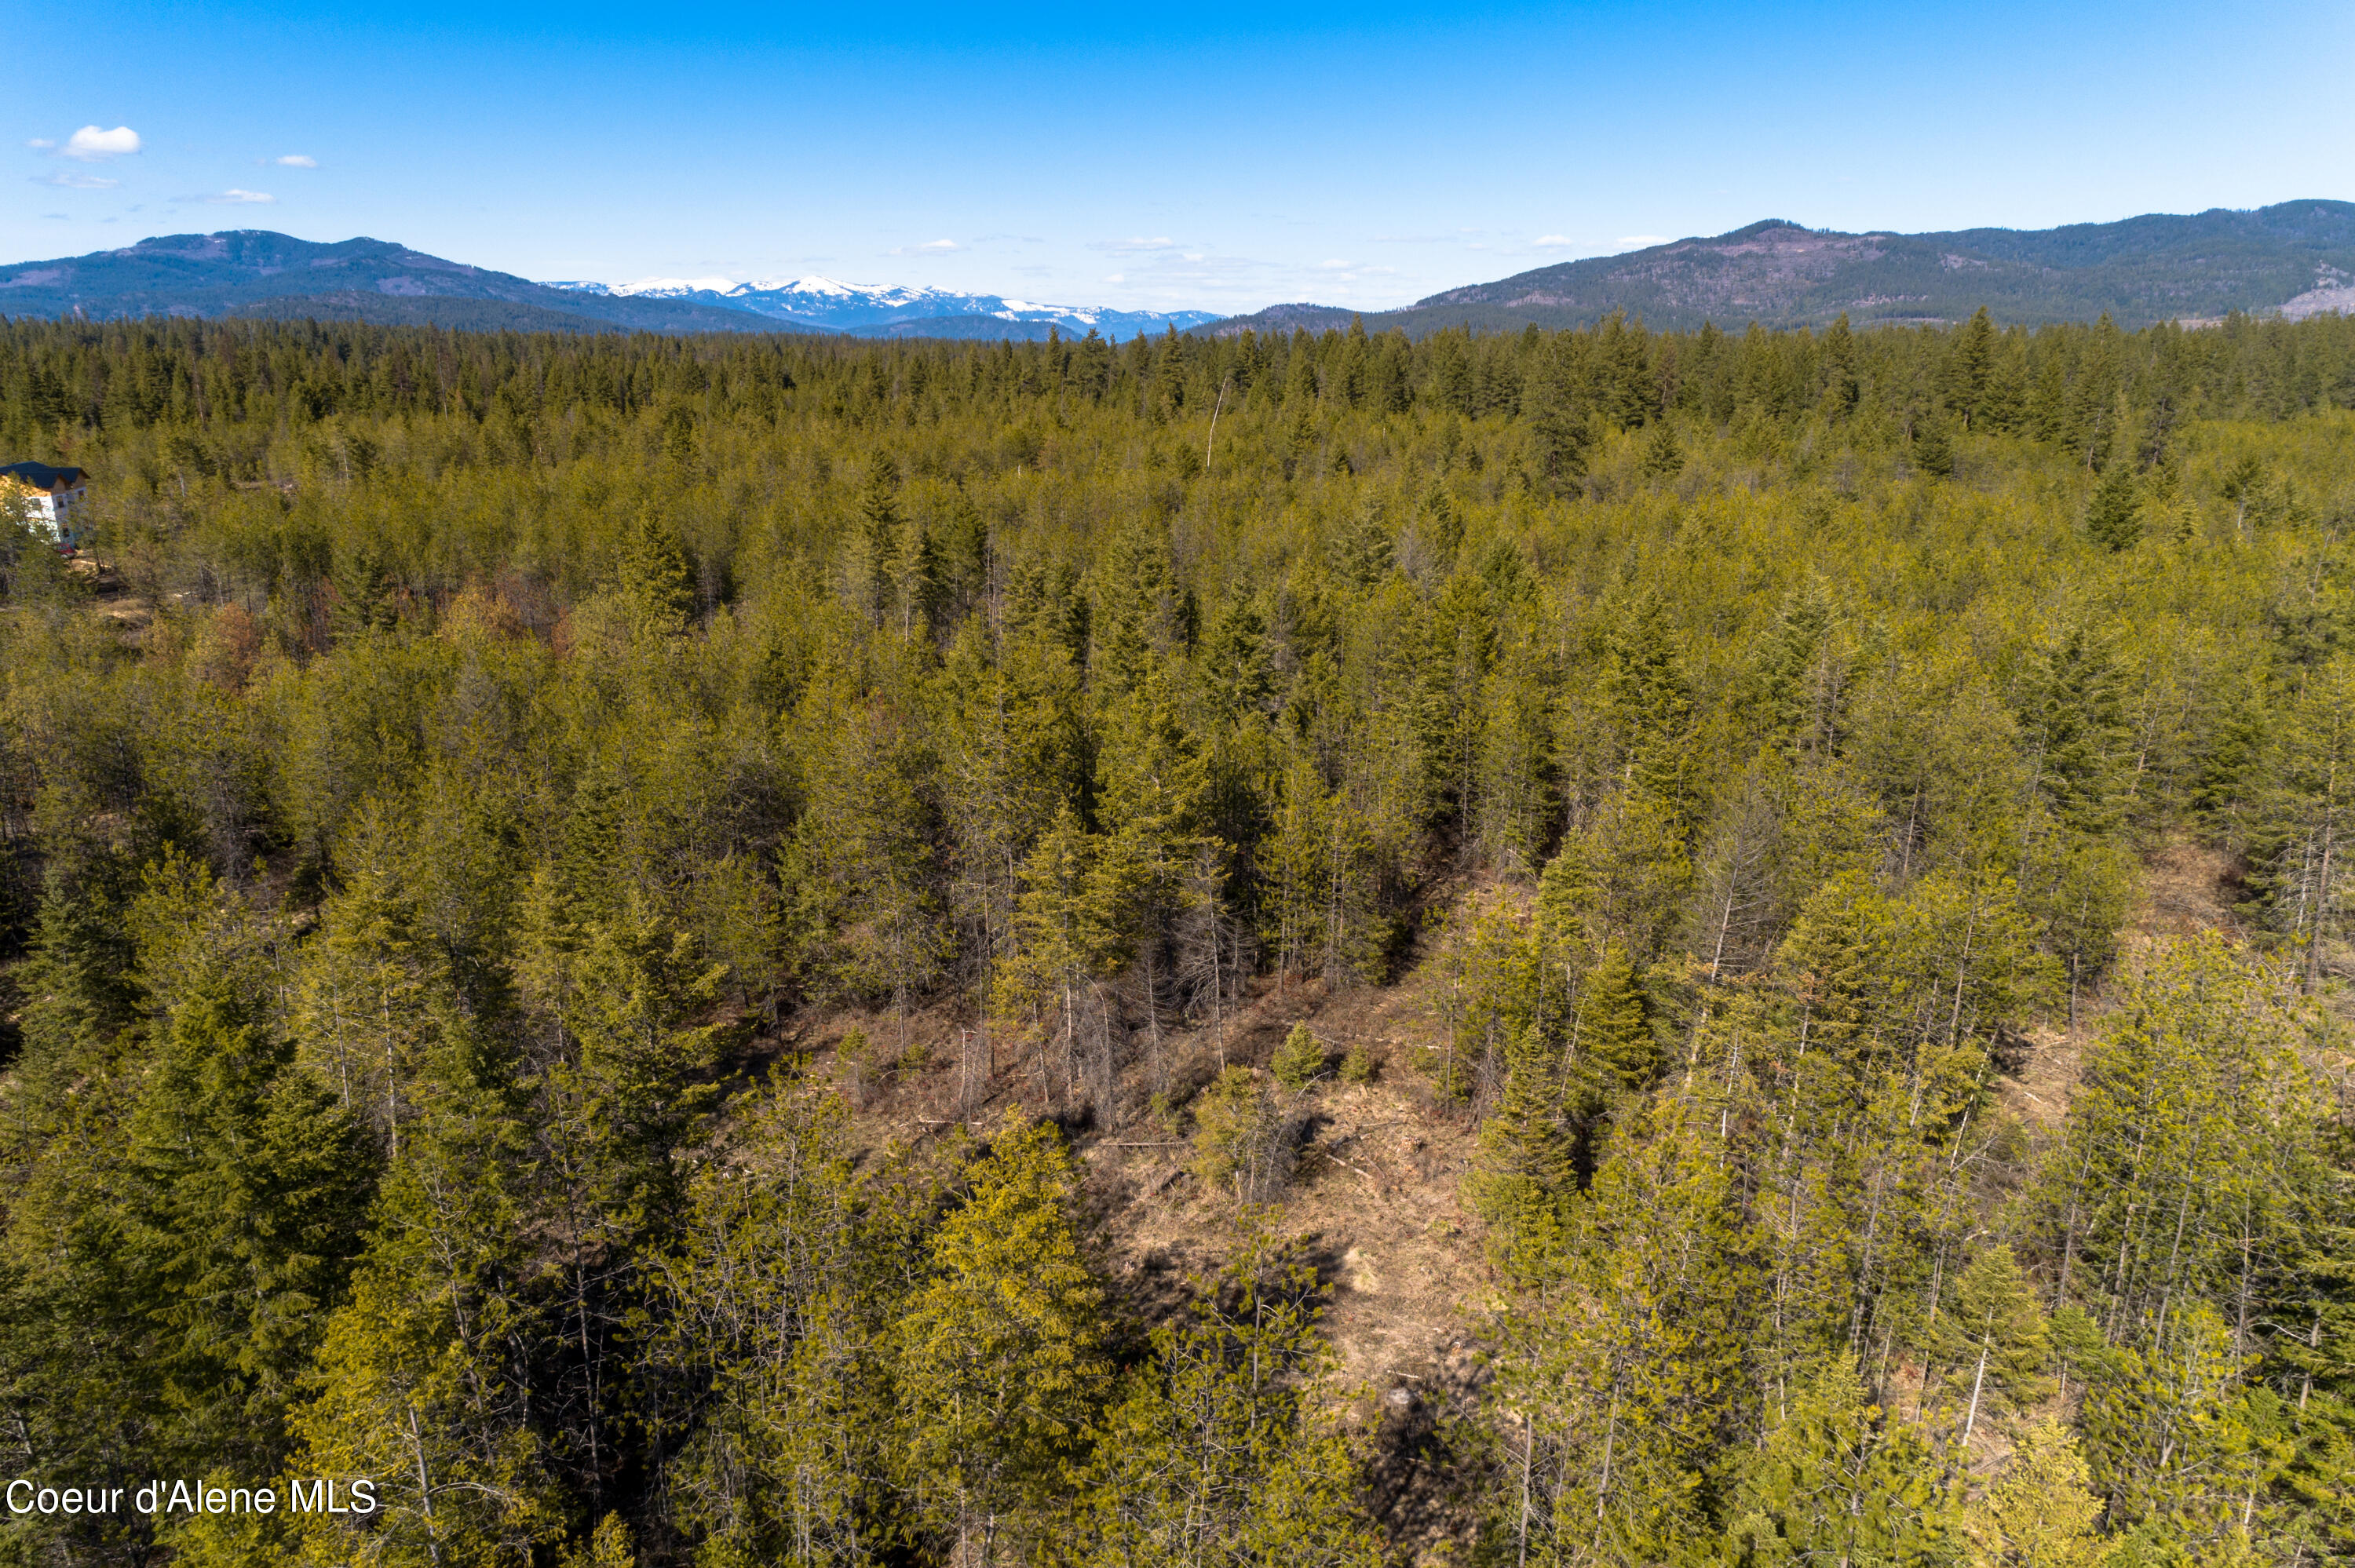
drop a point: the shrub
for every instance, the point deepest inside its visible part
(1299, 1059)
(1243, 1137)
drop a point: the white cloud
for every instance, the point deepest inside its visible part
(91, 146)
(1639, 239)
(1336, 265)
(1551, 241)
(42, 143)
(296, 160)
(76, 181)
(235, 198)
(1133, 245)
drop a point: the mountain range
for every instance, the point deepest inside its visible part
(2293, 259)
(872, 309)
(255, 273)
(2296, 259)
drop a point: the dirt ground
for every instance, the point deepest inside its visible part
(2187, 889)
(1377, 1207)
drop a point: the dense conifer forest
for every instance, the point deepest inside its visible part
(586, 924)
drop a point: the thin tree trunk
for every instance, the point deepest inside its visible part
(1529, 1444)
(425, 1487)
(1978, 1379)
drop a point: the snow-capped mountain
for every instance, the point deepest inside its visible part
(827, 305)
(653, 288)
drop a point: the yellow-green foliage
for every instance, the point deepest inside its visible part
(1243, 1137)
(1298, 1059)
(496, 744)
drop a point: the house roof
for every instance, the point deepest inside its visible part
(41, 476)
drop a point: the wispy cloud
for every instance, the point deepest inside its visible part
(91, 146)
(234, 198)
(1636, 239)
(296, 160)
(1552, 241)
(1133, 245)
(76, 181)
(929, 247)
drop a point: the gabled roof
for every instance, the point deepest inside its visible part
(41, 476)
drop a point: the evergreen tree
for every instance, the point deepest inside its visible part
(2041, 1513)
(251, 1191)
(1560, 435)
(2301, 810)
(2173, 1441)
(411, 1383)
(1526, 1172)
(1000, 1361)
(1934, 448)
(1299, 1059)
(655, 585)
(1664, 458)
(771, 1369)
(880, 526)
(1617, 1049)
(1651, 704)
(1217, 1449)
(1069, 923)
(1970, 366)
(1836, 1481)
(2113, 517)
(1245, 1140)
(1991, 1336)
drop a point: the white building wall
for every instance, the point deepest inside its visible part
(53, 513)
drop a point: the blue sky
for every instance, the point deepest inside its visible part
(1219, 156)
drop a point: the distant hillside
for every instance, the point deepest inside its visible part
(2292, 258)
(457, 313)
(255, 272)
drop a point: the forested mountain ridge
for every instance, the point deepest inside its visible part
(670, 946)
(253, 271)
(257, 273)
(2294, 258)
